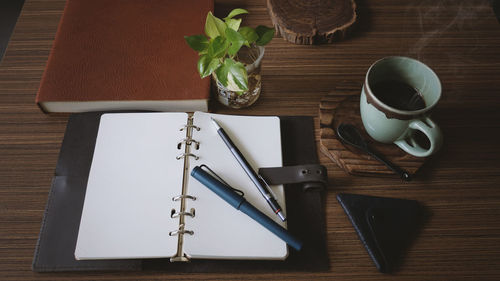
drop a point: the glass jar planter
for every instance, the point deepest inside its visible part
(251, 58)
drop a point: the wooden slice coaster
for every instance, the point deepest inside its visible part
(342, 106)
(312, 22)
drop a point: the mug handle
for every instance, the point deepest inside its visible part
(431, 131)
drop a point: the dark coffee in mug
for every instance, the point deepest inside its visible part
(399, 95)
(395, 102)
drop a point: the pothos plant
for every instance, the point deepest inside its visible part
(218, 48)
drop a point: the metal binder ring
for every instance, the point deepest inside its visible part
(178, 214)
(190, 126)
(179, 197)
(188, 141)
(180, 231)
(184, 155)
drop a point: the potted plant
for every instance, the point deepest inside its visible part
(232, 55)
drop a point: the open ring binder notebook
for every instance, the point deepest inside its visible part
(114, 208)
(140, 200)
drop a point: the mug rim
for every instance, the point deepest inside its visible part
(399, 112)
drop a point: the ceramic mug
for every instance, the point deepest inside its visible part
(389, 124)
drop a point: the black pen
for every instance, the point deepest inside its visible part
(263, 188)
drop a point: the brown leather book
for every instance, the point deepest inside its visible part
(124, 55)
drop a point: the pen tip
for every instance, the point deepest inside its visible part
(217, 127)
(281, 216)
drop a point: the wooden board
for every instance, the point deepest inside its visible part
(312, 22)
(342, 106)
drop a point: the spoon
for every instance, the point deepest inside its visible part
(350, 135)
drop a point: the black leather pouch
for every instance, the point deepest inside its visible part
(385, 226)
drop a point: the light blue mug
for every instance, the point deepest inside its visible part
(390, 124)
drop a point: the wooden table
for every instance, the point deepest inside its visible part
(460, 40)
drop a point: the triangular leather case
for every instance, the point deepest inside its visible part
(386, 226)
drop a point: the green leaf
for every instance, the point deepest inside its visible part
(217, 47)
(203, 63)
(197, 42)
(221, 26)
(236, 40)
(239, 74)
(265, 35)
(234, 24)
(236, 12)
(213, 65)
(210, 26)
(222, 72)
(249, 34)
(214, 26)
(207, 65)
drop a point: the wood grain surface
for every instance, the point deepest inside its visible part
(460, 186)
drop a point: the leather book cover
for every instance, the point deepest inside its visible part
(125, 55)
(58, 234)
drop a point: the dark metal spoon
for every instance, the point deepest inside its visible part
(349, 134)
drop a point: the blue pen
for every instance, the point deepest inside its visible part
(240, 203)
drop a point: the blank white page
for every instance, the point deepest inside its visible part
(132, 180)
(221, 231)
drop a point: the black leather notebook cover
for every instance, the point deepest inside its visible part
(385, 226)
(59, 230)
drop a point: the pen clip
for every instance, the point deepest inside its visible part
(208, 170)
(267, 185)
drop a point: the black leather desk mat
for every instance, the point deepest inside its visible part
(58, 234)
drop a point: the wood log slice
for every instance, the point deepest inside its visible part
(312, 21)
